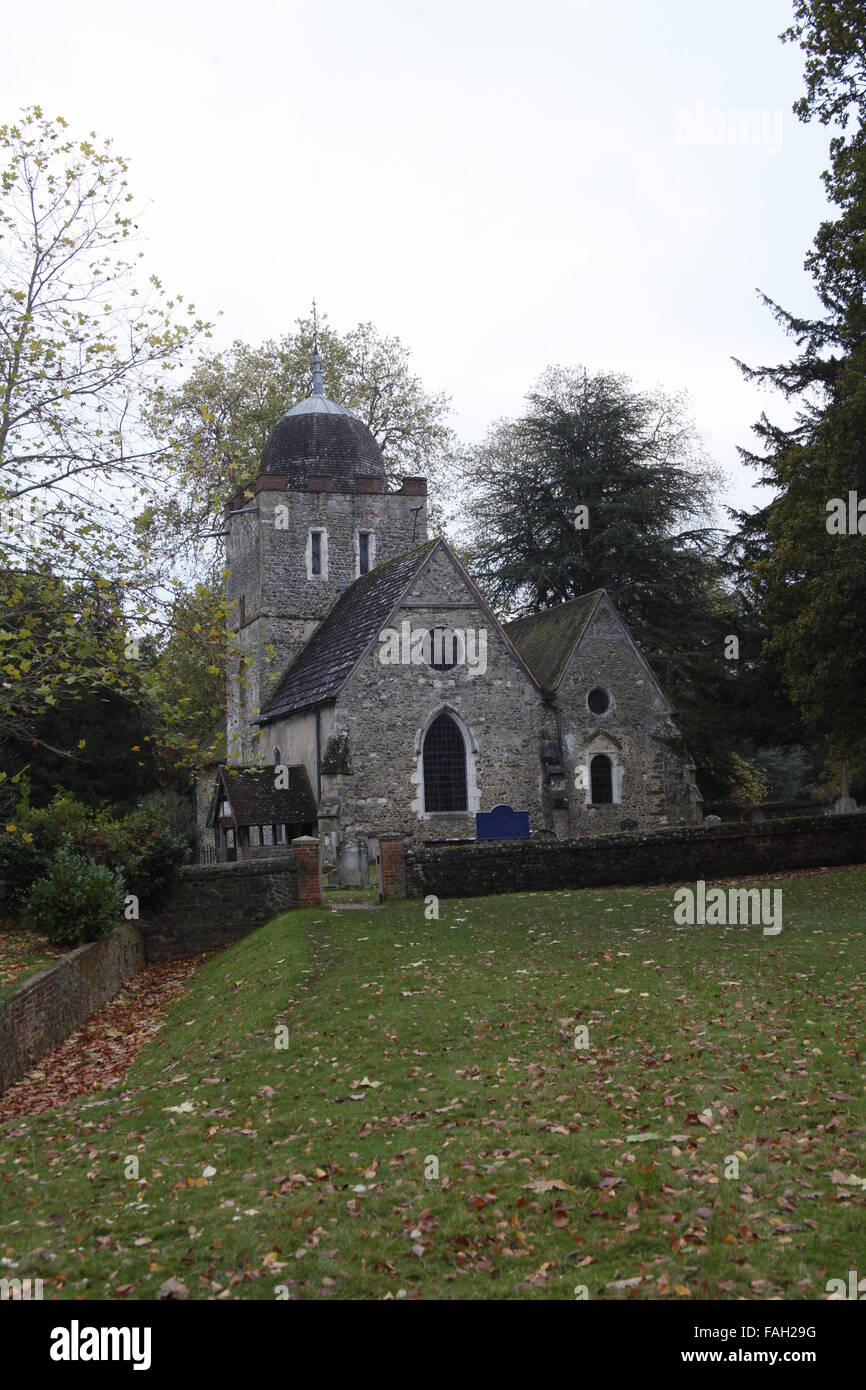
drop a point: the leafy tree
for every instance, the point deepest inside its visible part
(78, 341)
(81, 338)
(810, 583)
(185, 679)
(77, 708)
(634, 461)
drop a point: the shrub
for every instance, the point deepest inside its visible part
(77, 901)
(150, 843)
(63, 821)
(21, 863)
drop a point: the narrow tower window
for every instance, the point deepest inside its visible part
(316, 552)
(363, 552)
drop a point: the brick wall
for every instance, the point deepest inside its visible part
(48, 1007)
(391, 850)
(309, 885)
(211, 905)
(659, 856)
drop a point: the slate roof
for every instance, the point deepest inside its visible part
(256, 801)
(351, 625)
(322, 438)
(546, 640)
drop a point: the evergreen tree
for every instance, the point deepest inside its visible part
(600, 485)
(807, 577)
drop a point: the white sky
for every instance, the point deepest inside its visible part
(499, 183)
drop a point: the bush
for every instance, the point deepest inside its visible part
(77, 901)
(150, 843)
(142, 849)
(66, 820)
(21, 863)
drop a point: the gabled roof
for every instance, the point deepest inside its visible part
(255, 800)
(351, 626)
(546, 640)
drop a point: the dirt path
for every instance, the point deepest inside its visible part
(99, 1053)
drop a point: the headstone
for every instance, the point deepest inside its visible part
(352, 864)
(845, 806)
(712, 820)
(502, 824)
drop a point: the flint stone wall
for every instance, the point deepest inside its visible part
(211, 905)
(659, 856)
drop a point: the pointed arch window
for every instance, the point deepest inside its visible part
(601, 780)
(444, 766)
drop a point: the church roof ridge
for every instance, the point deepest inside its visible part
(547, 639)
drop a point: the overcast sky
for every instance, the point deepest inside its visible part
(503, 185)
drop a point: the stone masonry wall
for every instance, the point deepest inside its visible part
(660, 856)
(212, 905)
(49, 1006)
(274, 605)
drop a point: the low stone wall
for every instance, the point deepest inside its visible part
(49, 1006)
(211, 905)
(659, 856)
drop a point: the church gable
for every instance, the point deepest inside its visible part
(621, 747)
(605, 633)
(440, 714)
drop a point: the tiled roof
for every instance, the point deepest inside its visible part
(546, 640)
(348, 629)
(321, 441)
(255, 800)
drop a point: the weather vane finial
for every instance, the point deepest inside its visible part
(318, 389)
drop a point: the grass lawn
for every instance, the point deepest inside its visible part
(311, 1167)
(23, 952)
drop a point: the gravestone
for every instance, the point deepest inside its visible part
(352, 864)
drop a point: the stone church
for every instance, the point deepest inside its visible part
(372, 689)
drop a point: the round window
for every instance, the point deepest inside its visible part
(598, 700)
(443, 648)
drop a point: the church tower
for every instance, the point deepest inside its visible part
(320, 515)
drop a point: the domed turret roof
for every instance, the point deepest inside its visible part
(319, 436)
